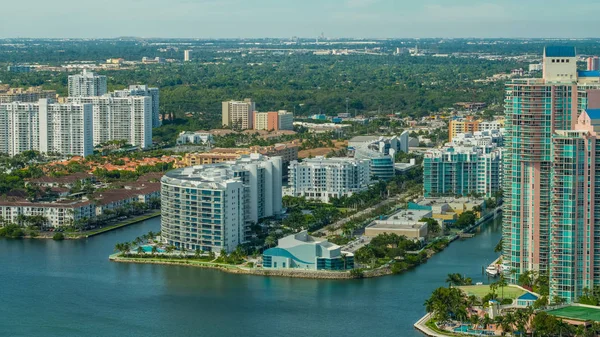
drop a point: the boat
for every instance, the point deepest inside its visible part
(492, 271)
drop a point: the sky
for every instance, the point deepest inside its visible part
(303, 18)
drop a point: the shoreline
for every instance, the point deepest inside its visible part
(291, 273)
(234, 269)
(88, 234)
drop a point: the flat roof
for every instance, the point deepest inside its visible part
(390, 225)
(559, 51)
(577, 313)
(588, 73)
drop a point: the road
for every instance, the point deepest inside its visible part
(357, 244)
(335, 228)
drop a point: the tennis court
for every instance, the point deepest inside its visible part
(577, 313)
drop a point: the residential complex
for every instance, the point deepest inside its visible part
(274, 121)
(211, 207)
(550, 176)
(464, 125)
(238, 115)
(380, 151)
(287, 152)
(302, 251)
(66, 128)
(187, 55)
(462, 170)
(120, 118)
(323, 178)
(46, 127)
(87, 84)
(143, 90)
(29, 95)
(593, 63)
(189, 137)
(69, 209)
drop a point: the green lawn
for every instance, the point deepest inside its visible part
(482, 290)
(118, 225)
(578, 313)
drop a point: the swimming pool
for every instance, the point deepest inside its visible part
(467, 330)
(148, 249)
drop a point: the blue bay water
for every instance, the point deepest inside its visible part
(69, 288)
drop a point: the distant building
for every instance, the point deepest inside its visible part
(337, 129)
(593, 63)
(479, 138)
(187, 55)
(517, 72)
(302, 251)
(188, 137)
(319, 117)
(150, 60)
(491, 125)
(462, 170)
(143, 90)
(19, 68)
(120, 118)
(115, 61)
(380, 151)
(535, 67)
(46, 127)
(465, 125)
(238, 115)
(65, 212)
(66, 128)
(403, 223)
(220, 202)
(287, 152)
(87, 84)
(323, 178)
(274, 121)
(29, 95)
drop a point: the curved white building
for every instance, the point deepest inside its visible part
(211, 207)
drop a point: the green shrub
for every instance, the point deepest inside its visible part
(357, 273)
(58, 236)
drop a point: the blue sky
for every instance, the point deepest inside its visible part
(305, 18)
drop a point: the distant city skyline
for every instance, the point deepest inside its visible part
(307, 18)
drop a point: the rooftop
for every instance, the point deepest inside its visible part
(588, 73)
(559, 51)
(593, 113)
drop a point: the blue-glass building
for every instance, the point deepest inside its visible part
(302, 251)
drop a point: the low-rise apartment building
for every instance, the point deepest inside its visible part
(323, 178)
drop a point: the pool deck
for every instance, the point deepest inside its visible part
(420, 325)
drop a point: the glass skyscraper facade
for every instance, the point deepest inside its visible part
(544, 227)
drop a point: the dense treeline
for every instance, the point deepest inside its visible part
(305, 83)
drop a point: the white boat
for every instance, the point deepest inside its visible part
(492, 271)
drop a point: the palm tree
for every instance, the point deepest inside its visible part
(140, 250)
(472, 301)
(486, 321)
(183, 250)
(502, 283)
(154, 250)
(197, 253)
(270, 241)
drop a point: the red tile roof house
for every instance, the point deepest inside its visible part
(64, 181)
